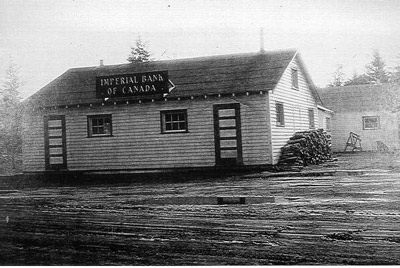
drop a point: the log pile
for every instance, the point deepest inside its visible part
(306, 148)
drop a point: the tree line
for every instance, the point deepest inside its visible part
(376, 72)
(10, 121)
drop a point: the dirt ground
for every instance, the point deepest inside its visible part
(349, 218)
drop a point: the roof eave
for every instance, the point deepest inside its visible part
(325, 109)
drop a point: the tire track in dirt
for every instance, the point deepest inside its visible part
(323, 220)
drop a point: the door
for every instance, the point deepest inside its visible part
(228, 137)
(55, 142)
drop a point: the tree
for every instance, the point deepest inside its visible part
(139, 53)
(375, 73)
(10, 117)
(376, 70)
(357, 79)
(338, 77)
(395, 75)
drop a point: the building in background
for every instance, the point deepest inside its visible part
(209, 112)
(369, 111)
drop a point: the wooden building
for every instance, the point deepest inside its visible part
(366, 110)
(231, 110)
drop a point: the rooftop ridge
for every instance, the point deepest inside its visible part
(357, 86)
(188, 59)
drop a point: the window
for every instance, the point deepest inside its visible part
(370, 122)
(280, 114)
(295, 79)
(328, 123)
(311, 122)
(99, 125)
(174, 121)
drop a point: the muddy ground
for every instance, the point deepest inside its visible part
(349, 218)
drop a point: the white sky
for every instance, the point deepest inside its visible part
(45, 38)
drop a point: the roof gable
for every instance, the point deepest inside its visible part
(309, 81)
(236, 73)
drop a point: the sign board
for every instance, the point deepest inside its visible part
(132, 85)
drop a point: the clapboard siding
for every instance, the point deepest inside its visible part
(296, 104)
(344, 123)
(33, 142)
(137, 141)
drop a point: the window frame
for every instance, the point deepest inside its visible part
(295, 78)
(311, 119)
(90, 118)
(369, 117)
(163, 121)
(280, 121)
(328, 126)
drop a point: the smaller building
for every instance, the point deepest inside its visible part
(366, 110)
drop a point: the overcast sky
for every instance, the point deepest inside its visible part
(45, 38)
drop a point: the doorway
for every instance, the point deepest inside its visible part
(55, 142)
(228, 136)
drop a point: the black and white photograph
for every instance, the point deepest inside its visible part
(199, 133)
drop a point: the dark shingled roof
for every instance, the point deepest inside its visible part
(236, 73)
(358, 97)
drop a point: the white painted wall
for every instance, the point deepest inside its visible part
(296, 105)
(346, 122)
(137, 142)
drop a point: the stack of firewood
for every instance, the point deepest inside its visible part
(306, 148)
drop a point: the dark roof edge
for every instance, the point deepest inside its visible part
(308, 78)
